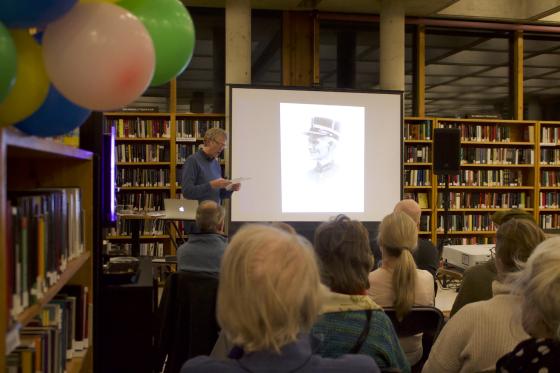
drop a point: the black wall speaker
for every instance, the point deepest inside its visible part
(447, 151)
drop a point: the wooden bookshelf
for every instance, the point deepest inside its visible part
(28, 162)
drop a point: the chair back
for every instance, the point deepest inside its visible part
(187, 325)
(422, 319)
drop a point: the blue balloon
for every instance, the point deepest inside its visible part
(32, 13)
(56, 116)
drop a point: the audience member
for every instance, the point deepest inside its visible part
(398, 283)
(351, 322)
(268, 299)
(204, 250)
(481, 332)
(426, 255)
(539, 286)
(477, 280)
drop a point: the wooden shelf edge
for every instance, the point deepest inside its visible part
(75, 364)
(136, 114)
(72, 267)
(468, 232)
(12, 137)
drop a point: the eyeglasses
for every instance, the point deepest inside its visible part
(223, 144)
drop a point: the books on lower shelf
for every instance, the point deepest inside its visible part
(45, 231)
(462, 200)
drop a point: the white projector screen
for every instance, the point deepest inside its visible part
(312, 154)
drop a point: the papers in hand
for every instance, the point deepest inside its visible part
(235, 181)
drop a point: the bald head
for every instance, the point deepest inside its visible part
(409, 207)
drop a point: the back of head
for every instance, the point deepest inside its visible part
(515, 241)
(269, 288)
(503, 216)
(539, 284)
(342, 246)
(209, 216)
(409, 207)
(398, 236)
(283, 226)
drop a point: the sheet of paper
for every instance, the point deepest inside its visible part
(237, 180)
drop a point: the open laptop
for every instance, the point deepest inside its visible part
(180, 209)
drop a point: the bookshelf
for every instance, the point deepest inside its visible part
(504, 164)
(29, 163)
(150, 151)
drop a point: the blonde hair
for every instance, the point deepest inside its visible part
(398, 236)
(539, 285)
(213, 134)
(411, 208)
(269, 288)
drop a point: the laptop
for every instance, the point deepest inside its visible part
(180, 209)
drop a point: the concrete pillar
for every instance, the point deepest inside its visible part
(391, 51)
(238, 41)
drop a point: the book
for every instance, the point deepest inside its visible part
(423, 200)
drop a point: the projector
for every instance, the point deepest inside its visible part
(464, 256)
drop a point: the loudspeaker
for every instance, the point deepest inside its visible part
(447, 151)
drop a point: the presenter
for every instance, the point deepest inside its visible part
(201, 177)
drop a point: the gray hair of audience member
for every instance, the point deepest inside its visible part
(409, 207)
(539, 285)
(515, 241)
(345, 259)
(397, 238)
(269, 288)
(209, 216)
(213, 134)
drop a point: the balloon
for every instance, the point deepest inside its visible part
(32, 13)
(99, 56)
(32, 84)
(56, 116)
(172, 31)
(8, 62)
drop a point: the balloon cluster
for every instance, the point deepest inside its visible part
(84, 56)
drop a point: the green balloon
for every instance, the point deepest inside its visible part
(8, 62)
(172, 31)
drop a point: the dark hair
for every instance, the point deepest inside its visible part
(515, 241)
(342, 246)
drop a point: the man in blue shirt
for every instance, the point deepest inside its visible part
(201, 177)
(203, 251)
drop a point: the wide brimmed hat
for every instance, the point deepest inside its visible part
(321, 126)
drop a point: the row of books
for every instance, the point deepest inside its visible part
(184, 151)
(153, 249)
(418, 177)
(140, 127)
(550, 156)
(550, 135)
(414, 153)
(468, 222)
(148, 227)
(549, 221)
(500, 177)
(492, 132)
(142, 153)
(142, 201)
(463, 200)
(473, 240)
(420, 130)
(550, 178)
(549, 200)
(425, 223)
(420, 197)
(142, 177)
(44, 232)
(59, 333)
(503, 156)
(196, 128)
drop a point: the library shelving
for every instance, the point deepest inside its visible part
(150, 149)
(504, 164)
(46, 200)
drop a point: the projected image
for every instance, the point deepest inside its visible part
(322, 158)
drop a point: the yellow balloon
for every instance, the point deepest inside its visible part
(32, 83)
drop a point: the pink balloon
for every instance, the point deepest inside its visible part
(99, 56)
